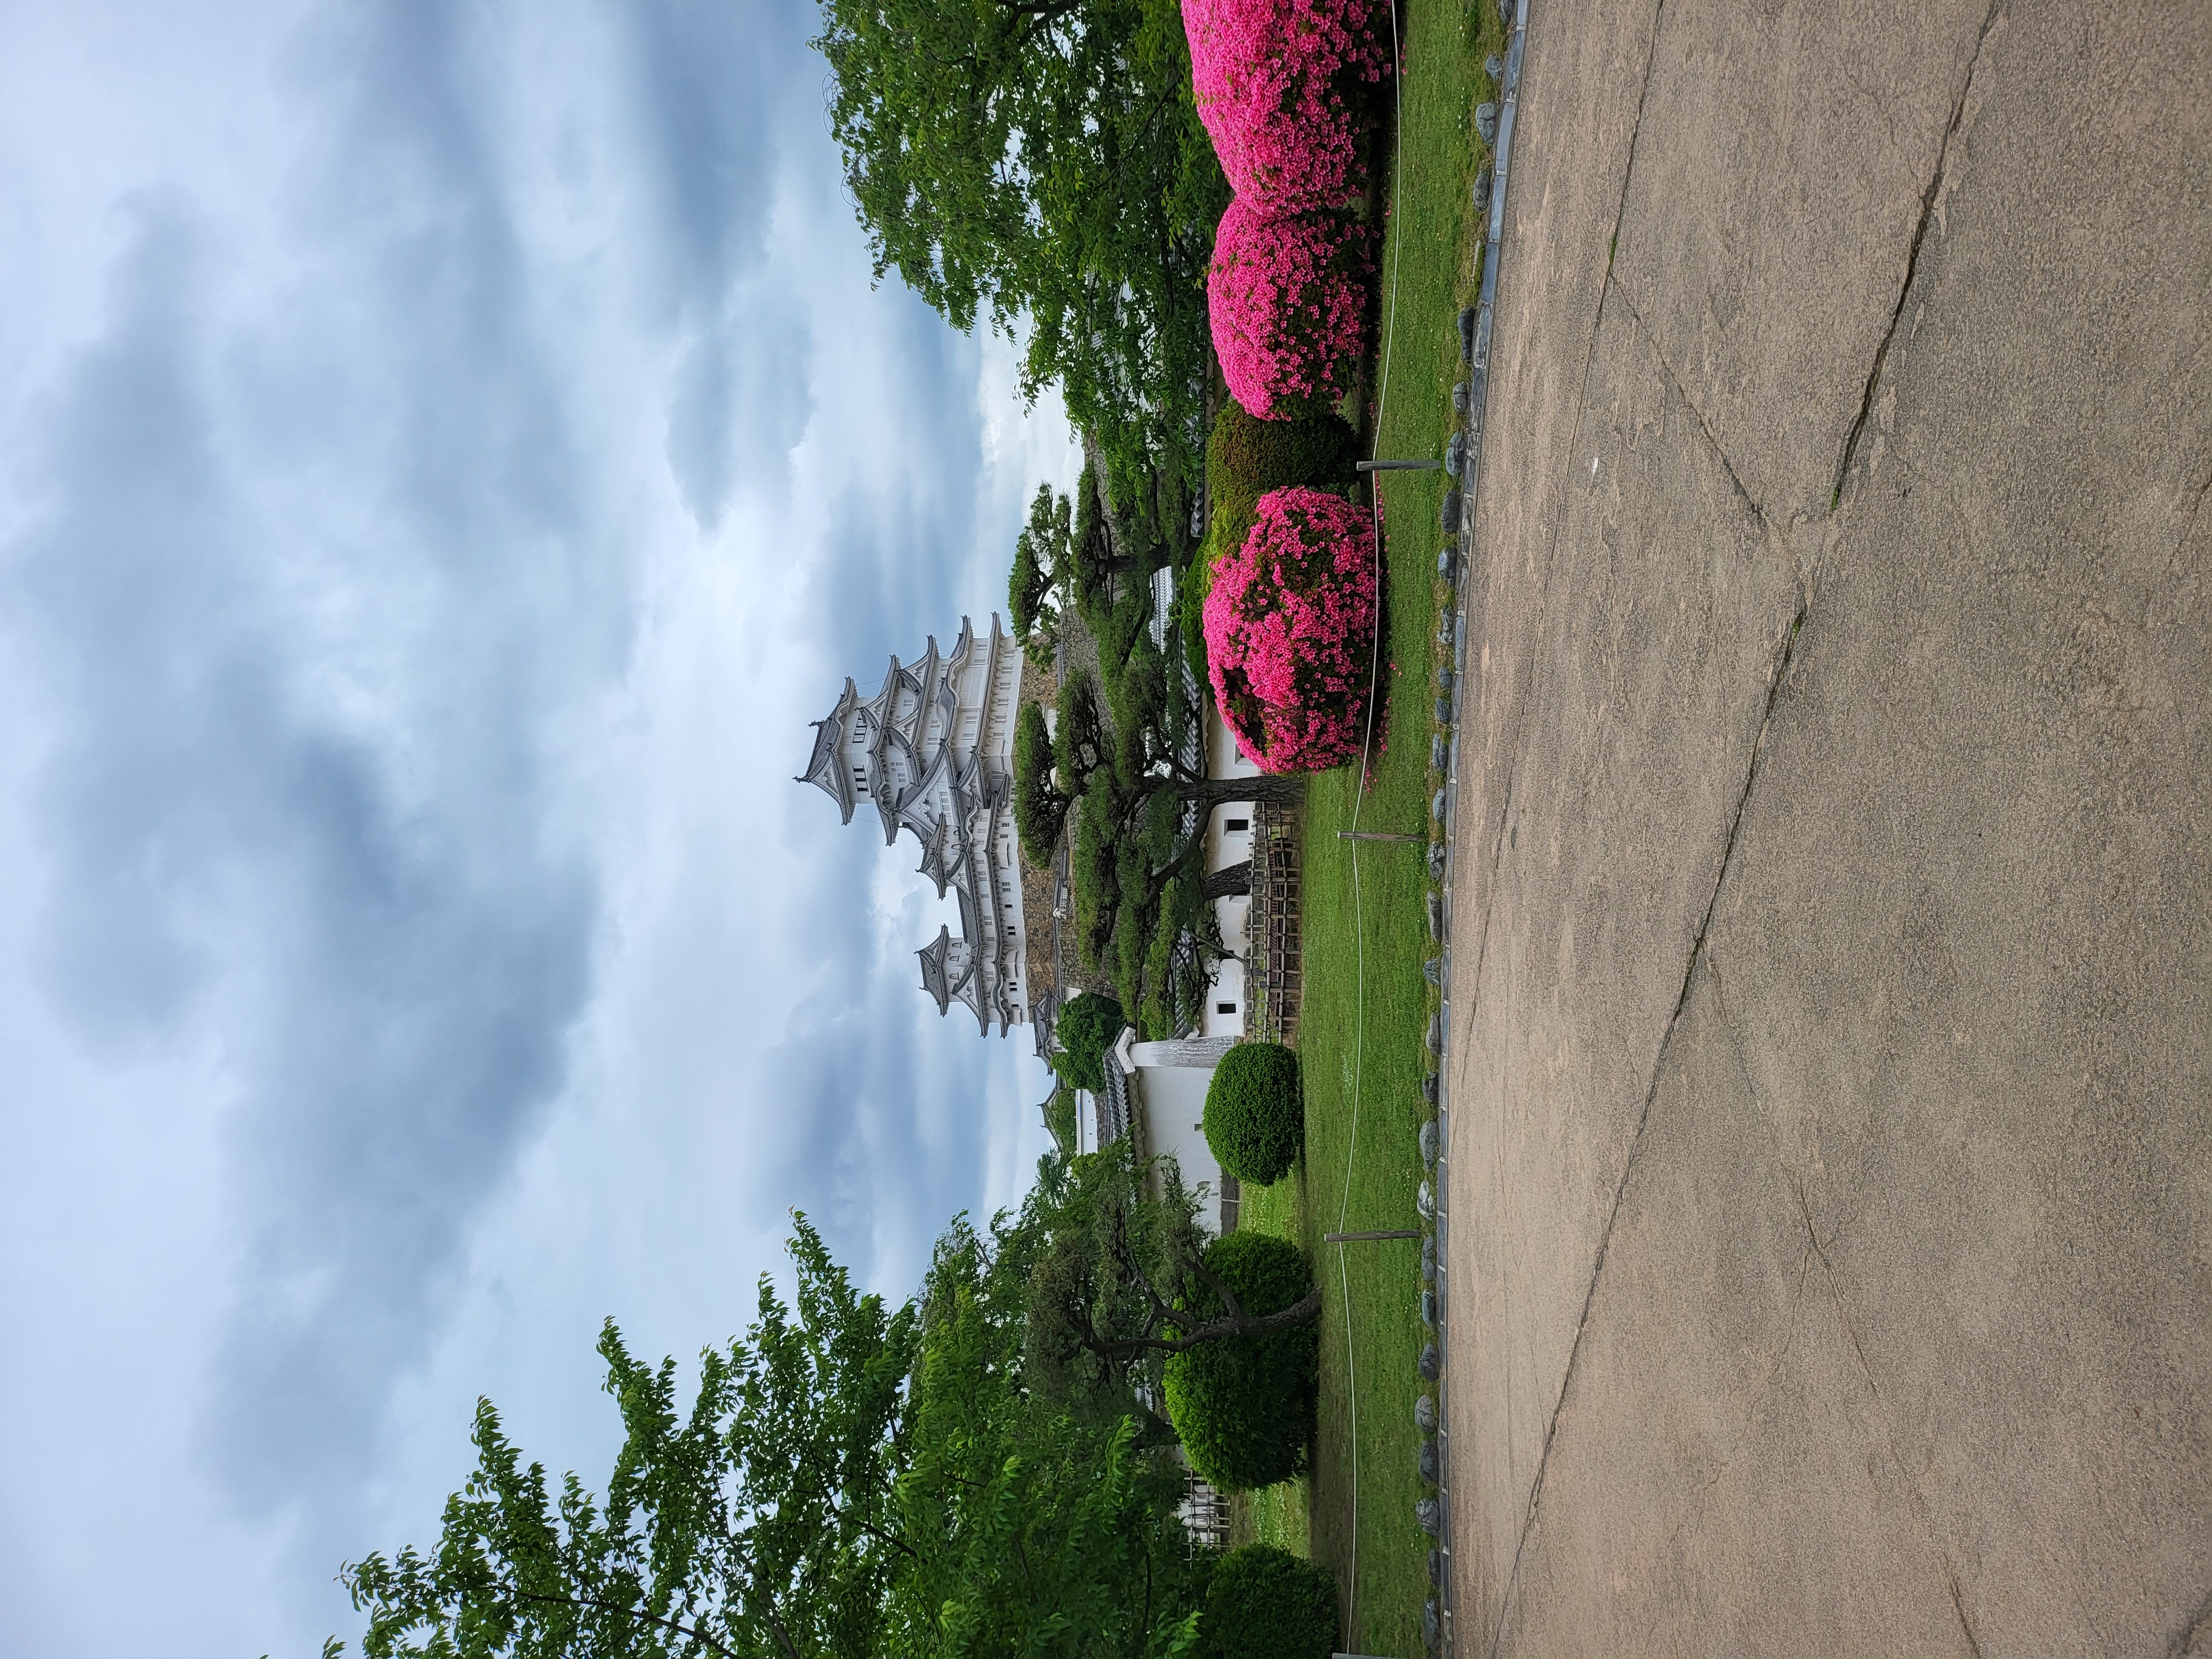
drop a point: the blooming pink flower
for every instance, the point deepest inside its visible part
(1270, 76)
(1290, 632)
(1286, 297)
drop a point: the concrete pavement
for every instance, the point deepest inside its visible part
(1832, 1206)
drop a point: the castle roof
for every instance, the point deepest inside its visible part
(825, 767)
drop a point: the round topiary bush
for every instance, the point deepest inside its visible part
(1287, 299)
(1255, 1117)
(1278, 88)
(1243, 1406)
(1290, 632)
(1266, 1603)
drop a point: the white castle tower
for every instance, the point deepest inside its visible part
(933, 749)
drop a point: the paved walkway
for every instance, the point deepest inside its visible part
(1831, 1197)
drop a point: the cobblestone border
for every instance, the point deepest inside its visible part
(1464, 458)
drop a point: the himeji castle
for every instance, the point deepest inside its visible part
(934, 751)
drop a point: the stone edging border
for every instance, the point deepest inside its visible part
(1458, 522)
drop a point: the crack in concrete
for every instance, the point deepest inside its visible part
(1779, 676)
(1766, 1123)
(1835, 1288)
(2195, 1635)
(1815, 1247)
(2188, 524)
(1683, 391)
(1959, 1606)
(1928, 199)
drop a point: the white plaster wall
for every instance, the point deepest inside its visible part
(1224, 1003)
(1172, 1099)
(1222, 757)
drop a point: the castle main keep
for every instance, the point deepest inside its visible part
(932, 750)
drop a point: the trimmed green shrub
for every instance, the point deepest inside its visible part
(1246, 458)
(1266, 1603)
(1083, 1030)
(1255, 1114)
(1243, 1406)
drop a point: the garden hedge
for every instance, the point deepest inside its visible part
(1243, 1406)
(1266, 1603)
(1255, 1118)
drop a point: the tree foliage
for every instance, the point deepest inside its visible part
(1030, 1531)
(1042, 157)
(1039, 552)
(1244, 1410)
(761, 1525)
(1040, 804)
(1121, 1282)
(1079, 739)
(1084, 1029)
(849, 1480)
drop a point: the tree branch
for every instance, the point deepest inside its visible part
(1207, 1277)
(1303, 1311)
(650, 1619)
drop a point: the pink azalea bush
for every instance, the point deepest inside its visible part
(1286, 297)
(1290, 632)
(1270, 77)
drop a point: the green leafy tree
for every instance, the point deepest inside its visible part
(1079, 746)
(761, 1525)
(1245, 1409)
(849, 1480)
(1042, 158)
(1032, 1531)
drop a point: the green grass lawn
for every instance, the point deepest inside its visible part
(1367, 1179)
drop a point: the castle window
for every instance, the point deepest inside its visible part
(1224, 1007)
(1237, 826)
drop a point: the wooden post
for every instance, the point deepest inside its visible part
(1397, 466)
(1376, 834)
(1361, 1238)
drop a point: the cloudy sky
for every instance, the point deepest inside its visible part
(448, 454)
